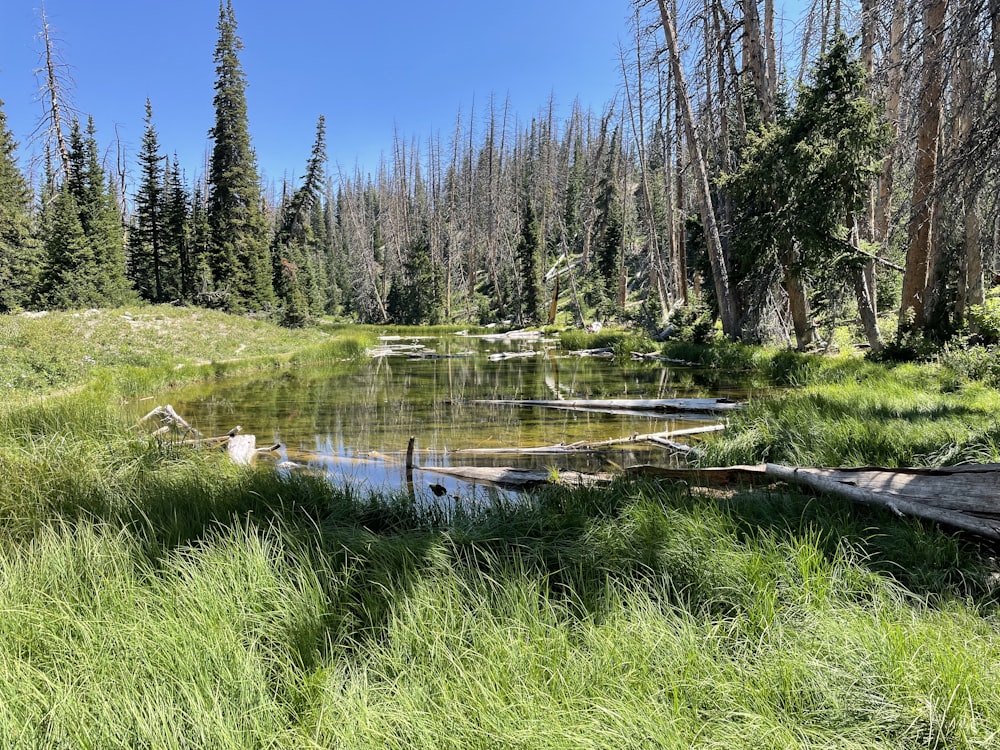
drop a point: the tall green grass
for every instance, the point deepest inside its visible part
(646, 616)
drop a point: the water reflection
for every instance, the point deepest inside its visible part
(352, 421)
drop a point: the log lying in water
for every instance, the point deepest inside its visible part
(584, 446)
(511, 478)
(652, 356)
(498, 356)
(964, 497)
(664, 405)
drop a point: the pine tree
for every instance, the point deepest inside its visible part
(239, 257)
(529, 257)
(146, 251)
(84, 247)
(299, 248)
(19, 252)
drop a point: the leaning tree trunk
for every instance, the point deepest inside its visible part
(720, 272)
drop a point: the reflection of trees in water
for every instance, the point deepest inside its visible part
(353, 408)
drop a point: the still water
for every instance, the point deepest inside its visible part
(352, 421)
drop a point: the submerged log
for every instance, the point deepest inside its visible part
(508, 477)
(594, 446)
(664, 405)
(498, 356)
(652, 356)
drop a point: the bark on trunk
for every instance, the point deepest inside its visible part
(912, 309)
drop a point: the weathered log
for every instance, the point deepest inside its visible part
(896, 503)
(512, 478)
(660, 358)
(676, 447)
(665, 405)
(583, 446)
(603, 351)
(498, 356)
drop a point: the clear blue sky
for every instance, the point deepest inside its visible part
(369, 67)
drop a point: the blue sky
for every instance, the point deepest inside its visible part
(369, 67)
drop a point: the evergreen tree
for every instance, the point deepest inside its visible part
(416, 297)
(146, 246)
(177, 231)
(239, 257)
(529, 258)
(19, 253)
(299, 242)
(84, 247)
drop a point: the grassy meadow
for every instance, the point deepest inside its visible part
(151, 596)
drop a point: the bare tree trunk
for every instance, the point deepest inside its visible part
(727, 307)
(912, 311)
(55, 94)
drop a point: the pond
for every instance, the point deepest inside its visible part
(352, 421)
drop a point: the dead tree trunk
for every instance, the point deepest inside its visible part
(912, 309)
(724, 293)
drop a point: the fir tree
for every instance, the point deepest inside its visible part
(299, 248)
(19, 253)
(84, 247)
(146, 256)
(529, 257)
(239, 257)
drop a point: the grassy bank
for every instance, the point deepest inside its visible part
(155, 597)
(847, 411)
(129, 349)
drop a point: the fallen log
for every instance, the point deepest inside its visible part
(600, 352)
(590, 447)
(498, 356)
(894, 502)
(660, 358)
(518, 479)
(664, 405)
(963, 497)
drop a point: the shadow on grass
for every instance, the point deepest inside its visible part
(713, 554)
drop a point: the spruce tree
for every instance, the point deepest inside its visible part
(299, 247)
(84, 246)
(177, 229)
(238, 248)
(529, 257)
(146, 261)
(19, 253)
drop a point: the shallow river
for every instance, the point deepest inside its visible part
(352, 421)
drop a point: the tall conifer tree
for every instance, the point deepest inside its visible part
(146, 261)
(239, 257)
(19, 256)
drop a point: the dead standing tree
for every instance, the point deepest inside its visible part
(725, 294)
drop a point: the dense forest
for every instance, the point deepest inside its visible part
(777, 186)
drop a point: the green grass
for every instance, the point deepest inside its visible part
(846, 411)
(133, 350)
(152, 596)
(297, 616)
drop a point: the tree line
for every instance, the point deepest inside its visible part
(778, 187)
